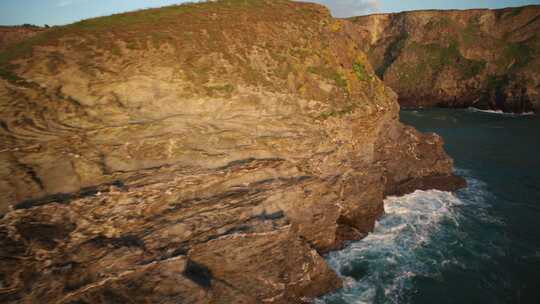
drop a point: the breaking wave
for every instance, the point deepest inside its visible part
(500, 112)
(416, 238)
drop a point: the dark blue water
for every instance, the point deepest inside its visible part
(479, 245)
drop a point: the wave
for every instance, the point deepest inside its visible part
(499, 112)
(412, 240)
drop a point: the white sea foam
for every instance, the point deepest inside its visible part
(389, 252)
(409, 241)
(500, 112)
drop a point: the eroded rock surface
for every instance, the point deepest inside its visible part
(483, 58)
(210, 157)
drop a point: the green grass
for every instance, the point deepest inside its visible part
(339, 80)
(9, 76)
(284, 69)
(517, 53)
(514, 12)
(360, 71)
(471, 68)
(226, 89)
(195, 35)
(438, 57)
(159, 38)
(300, 53)
(115, 50)
(348, 109)
(470, 34)
(329, 73)
(415, 74)
(156, 16)
(444, 56)
(439, 23)
(25, 49)
(128, 25)
(132, 44)
(22, 49)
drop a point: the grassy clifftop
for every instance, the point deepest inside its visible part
(216, 46)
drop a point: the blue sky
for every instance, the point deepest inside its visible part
(347, 8)
(55, 12)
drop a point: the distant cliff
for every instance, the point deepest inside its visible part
(480, 58)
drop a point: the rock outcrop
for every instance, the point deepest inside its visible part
(483, 58)
(202, 153)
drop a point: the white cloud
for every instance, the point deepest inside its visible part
(64, 3)
(348, 8)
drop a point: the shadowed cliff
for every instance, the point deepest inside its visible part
(482, 58)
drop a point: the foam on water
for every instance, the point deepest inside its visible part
(500, 112)
(410, 240)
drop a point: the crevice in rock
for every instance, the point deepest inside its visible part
(66, 198)
(198, 273)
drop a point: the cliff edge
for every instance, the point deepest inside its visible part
(201, 153)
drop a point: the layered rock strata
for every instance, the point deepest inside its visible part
(203, 153)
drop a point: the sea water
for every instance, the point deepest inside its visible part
(477, 245)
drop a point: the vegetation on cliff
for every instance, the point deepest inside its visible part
(450, 58)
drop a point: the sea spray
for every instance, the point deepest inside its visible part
(414, 239)
(499, 112)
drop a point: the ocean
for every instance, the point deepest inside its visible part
(477, 245)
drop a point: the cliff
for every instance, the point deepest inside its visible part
(202, 153)
(481, 58)
(10, 35)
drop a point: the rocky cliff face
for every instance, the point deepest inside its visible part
(203, 153)
(10, 35)
(480, 58)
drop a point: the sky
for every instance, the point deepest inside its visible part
(58, 12)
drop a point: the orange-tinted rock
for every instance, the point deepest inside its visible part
(209, 157)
